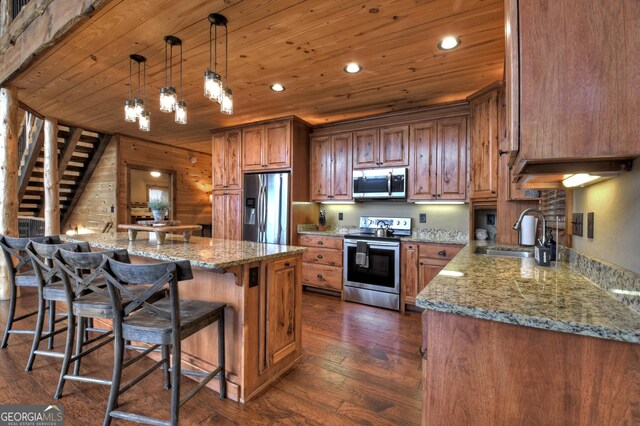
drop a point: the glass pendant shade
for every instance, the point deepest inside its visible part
(145, 121)
(138, 106)
(129, 111)
(213, 86)
(226, 106)
(181, 112)
(168, 99)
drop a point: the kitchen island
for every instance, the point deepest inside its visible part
(511, 342)
(261, 285)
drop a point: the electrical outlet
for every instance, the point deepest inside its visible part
(491, 219)
(423, 218)
(113, 209)
(340, 216)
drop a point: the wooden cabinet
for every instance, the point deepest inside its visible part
(438, 160)
(227, 215)
(421, 262)
(322, 263)
(383, 147)
(573, 87)
(331, 168)
(226, 153)
(282, 309)
(483, 143)
(267, 146)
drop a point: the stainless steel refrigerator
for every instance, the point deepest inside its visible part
(266, 208)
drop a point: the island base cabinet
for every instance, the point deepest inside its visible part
(484, 372)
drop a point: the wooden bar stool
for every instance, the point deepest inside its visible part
(166, 322)
(51, 290)
(21, 274)
(86, 292)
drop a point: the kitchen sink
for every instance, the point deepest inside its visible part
(497, 251)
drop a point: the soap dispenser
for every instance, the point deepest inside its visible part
(551, 244)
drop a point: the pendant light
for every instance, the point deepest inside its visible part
(134, 107)
(226, 106)
(168, 96)
(129, 112)
(144, 119)
(213, 88)
(181, 106)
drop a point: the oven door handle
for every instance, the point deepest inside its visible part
(389, 182)
(353, 243)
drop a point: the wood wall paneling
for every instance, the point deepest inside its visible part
(193, 180)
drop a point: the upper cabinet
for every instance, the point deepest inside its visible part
(382, 147)
(226, 152)
(572, 81)
(438, 160)
(267, 146)
(331, 167)
(484, 143)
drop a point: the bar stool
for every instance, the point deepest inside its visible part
(21, 274)
(166, 322)
(50, 289)
(85, 291)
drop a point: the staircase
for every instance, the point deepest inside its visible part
(79, 152)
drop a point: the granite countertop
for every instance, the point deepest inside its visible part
(202, 252)
(441, 236)
(518, 291)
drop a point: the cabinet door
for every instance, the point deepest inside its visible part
(452, 158)
(252, 141)
(219, 207)
(233, 213)
(394, 146)
(483, 149)
(218, 157)
(423, 155)
(282, 319)
(365, 149)
(232, 160)
(321, 167)
(342, 172)
(409, 277)
(427, 270)
(277, 151)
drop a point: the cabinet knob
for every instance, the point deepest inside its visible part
(501, 152)
(319, 256)
(421, 263)
(433, 195)
(320, 243)
(287, 264)
(319, 276)
(442, 253)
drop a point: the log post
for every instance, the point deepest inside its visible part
(51, 181)
(9, 128)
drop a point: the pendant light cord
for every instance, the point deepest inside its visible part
(226, 54)
(130, 79)
(210, 25)
(165, 64)
(215, 49)
(181, 92)
(138, 80)
(144, 90)
(171, 65)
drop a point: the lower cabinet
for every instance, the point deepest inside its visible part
(227, 215)
(322, 263)
(421, 262)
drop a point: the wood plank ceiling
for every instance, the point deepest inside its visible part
(303, 45)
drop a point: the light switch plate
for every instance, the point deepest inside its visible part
(423, 218)
(340, 216)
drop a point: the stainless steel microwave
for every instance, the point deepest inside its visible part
(379, 184)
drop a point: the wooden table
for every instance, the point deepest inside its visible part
(161, 231)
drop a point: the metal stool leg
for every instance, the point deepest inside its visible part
(11, 315)
(52, 322)
(118, 355)
(221, 360)
(68, 350)
(80, 339)
(38, 331)
(165, 366)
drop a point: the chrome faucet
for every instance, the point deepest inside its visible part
(543, 240)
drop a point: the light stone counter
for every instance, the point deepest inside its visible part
(202, 252)
(518, 291)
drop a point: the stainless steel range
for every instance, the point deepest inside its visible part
(372, 263)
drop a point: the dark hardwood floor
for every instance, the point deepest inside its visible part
(361, 365)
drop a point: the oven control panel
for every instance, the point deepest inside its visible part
(399, 225)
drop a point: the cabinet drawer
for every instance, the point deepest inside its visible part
(321, 241)
(323, 256)
(439, 251)
(328, 277)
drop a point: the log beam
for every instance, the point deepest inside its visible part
(5, 15)
(9, 128)
(51, 180)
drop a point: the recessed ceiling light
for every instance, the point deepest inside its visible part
(449, 43)
(277, 87)
(155, 174)
(353, 68)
